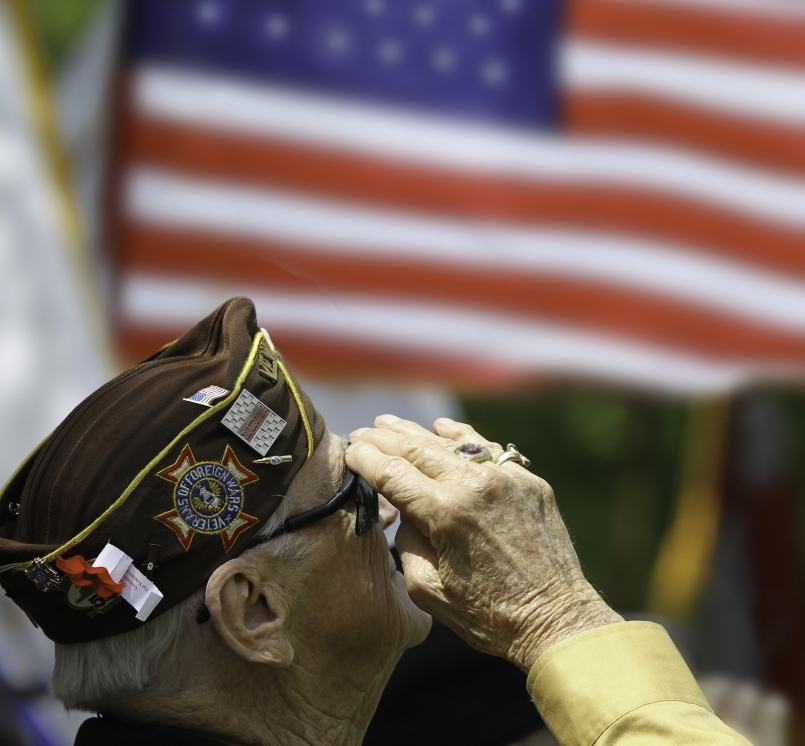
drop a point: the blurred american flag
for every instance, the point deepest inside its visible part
(476, 192)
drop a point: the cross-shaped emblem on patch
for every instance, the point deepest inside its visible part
(208, 497)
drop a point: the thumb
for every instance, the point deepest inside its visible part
(420, 565)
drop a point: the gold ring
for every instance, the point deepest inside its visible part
(512, 454)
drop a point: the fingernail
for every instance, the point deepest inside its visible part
(444, 421)
(357, 433)
(386, 419)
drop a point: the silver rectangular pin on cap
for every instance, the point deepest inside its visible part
(253, 422)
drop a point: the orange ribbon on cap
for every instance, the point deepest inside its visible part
(82, 573)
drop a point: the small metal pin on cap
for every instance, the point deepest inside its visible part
(274, 460)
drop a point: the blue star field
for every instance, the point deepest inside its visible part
(489, 60)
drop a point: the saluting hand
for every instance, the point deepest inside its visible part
(483, 546)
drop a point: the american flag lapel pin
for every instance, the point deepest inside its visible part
(207, 396)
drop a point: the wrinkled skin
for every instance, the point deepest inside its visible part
(483, 546)
(294, 652)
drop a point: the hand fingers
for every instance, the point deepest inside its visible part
(463, 433)
(427, 454)
(401, 483)
(406, 427)
(446, 431)
(420, 565)
(415, 547)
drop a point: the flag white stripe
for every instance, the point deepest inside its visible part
(160, 198)
(439, 330)
(762, 93)
(200, 99)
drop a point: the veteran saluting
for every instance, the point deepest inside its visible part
(211, 564)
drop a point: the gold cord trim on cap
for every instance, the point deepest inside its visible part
(165, 346)
(151, 464)
(294, 391)
(301, 406)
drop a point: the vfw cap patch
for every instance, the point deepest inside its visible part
(208, 497)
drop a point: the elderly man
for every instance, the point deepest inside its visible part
(211, 570)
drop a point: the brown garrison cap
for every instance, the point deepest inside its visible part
(162, 463)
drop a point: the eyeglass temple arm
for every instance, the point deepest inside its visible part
(333, 505)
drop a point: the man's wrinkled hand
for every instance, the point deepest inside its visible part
(483, 546)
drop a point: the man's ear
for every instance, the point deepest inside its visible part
(251, 615)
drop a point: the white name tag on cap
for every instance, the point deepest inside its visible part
(138, 590)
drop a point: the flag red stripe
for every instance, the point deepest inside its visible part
(620, 311)
(371, 181)
(623, 115)
(733, 32)
(333, 359)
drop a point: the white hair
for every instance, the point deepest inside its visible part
(95, 676)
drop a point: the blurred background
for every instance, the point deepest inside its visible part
(579, 225)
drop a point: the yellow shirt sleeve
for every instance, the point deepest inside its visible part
(623, 684)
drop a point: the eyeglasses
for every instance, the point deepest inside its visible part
(354, 488)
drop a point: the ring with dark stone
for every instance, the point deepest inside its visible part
(474, 452)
